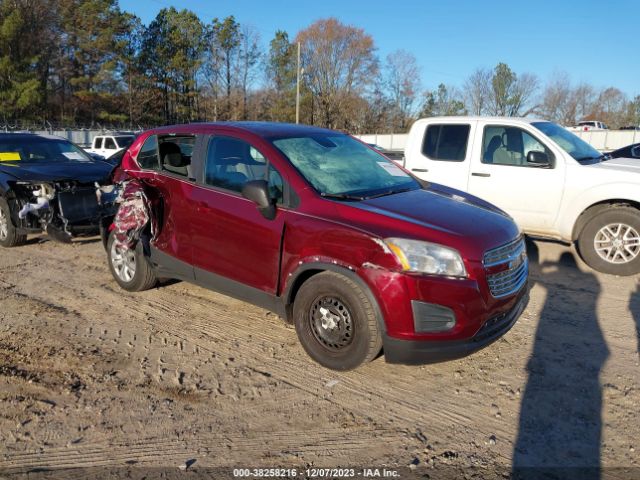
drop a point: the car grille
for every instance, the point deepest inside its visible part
(514, 257)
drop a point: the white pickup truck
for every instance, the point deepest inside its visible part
(107, 145)
(550, 181)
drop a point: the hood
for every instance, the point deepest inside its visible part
(85, 172)
(444, 216)
(620, 164)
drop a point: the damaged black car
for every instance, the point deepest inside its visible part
(48, 184)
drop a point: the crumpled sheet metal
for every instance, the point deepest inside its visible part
(133, 215)
(33, 207)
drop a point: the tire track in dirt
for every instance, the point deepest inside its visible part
(191, 332)
(359, 389)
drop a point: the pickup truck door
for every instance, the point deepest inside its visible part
(231, 239)
(442, 155)
(96, 147)
(109, 146)
(501, 175)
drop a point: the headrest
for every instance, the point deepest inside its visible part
(176, 160)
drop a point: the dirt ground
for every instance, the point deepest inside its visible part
(92, 376)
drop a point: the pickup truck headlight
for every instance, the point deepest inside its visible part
(426, 257)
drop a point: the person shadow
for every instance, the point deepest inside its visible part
(634, 308)
(560, 425)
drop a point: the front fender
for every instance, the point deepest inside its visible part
(583, 200)
(317, 264)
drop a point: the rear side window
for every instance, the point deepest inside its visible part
(148, 156)
(97, 142)
(446, 142)
(175, 154)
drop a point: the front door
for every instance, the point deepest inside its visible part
(231, 238)
(501, 175)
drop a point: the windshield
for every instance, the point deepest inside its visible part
(570, 143)
(35, 149)
(337, 165)
(124, 142)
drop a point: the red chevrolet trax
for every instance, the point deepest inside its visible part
(323, 230)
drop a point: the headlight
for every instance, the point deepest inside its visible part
(426, 257)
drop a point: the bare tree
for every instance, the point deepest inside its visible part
(248, 61)
(523, 94)
(402, 81)
(610, 107)
(477, 91)
(339, 64)
(556, 99)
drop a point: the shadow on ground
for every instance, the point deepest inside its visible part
(560, 423)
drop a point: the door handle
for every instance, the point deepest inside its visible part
(479, 174)
(419, 169)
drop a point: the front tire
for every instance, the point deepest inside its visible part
(610, 242)
(336, 322)
(129, 267)
(9, 236)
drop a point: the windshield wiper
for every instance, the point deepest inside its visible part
(389, 192)
(342, 196)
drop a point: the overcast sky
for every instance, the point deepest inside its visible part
(594, 41)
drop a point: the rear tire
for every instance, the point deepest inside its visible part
(610, 241)
(9, 236)
(129, 267)
(336, 322)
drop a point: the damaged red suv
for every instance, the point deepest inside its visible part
(316, 226)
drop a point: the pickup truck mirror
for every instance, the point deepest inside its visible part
(538, 159)
(258, 192)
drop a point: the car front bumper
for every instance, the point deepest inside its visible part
(415, 352)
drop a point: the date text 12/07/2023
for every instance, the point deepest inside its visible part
(315, 473)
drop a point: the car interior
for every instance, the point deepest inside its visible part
(175, 155)
(231, 163)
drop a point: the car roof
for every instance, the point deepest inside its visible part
(262, 129)
(470, 118)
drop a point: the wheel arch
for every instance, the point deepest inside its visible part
(597, 208)
(309, 270)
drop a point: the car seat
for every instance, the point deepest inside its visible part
(172, 159)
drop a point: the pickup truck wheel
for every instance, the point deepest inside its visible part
(9, 237)
(610, 242)
(336, 322)
(129, 267)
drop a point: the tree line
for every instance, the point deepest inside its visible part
(88, 63)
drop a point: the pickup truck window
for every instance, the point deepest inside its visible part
(446, 142)
(502, 145)
(570, 143)
(109, 144)
(97, 142)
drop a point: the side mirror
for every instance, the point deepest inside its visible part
(538, 159)
(258, 192)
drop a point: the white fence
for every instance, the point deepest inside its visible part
(603, 140)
